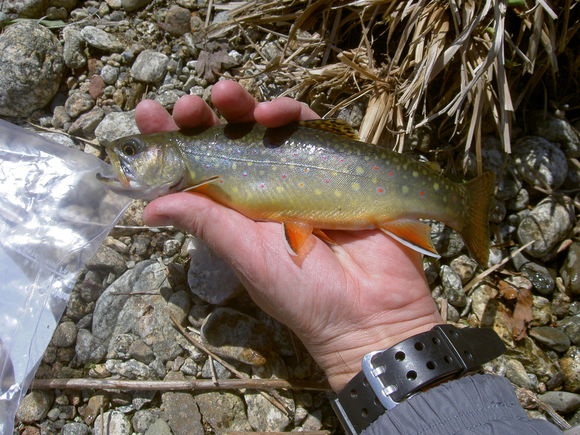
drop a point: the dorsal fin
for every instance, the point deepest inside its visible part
(336, 126)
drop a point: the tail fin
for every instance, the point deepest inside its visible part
(475, 233)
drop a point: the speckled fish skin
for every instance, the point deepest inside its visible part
(301, 173)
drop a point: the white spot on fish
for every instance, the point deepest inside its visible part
(355, 187)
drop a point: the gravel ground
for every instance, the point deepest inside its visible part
(84, 76)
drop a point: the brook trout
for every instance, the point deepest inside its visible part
(310, 176)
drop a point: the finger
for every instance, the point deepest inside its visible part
(151, 117)
(233, 101)
(281, 111)
(191, 111)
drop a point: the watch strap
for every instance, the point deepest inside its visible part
(392, 375)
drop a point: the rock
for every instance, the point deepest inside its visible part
(452, 287)
(263, 416)
(112, 422)
(176, 21)
(101, 40)
(540, 278)
(447, 241)
(179, 305)
(31, 68)
(109, 74)
(34, 406)
(232, 334)
(144, 419)
(94, 407)
(516, 373)
(115, 125)
(570, 270)
(150, 66)
(24, 8)
(131, 369)
(159, 427)
(209, 277)
(133, 5)
(85, 125)
(89, 349)
(545, 225)
(483, 304)
(540, 162)
(571, 326)
(464, 267)
(554, 338)
(77, 103)
(65, 335)
(107, 260)
(73, 48)
(562, 401)
(75, 428)
(141, 352)
(570, 365)
(181, 411)
(223, 411)
(555, 129)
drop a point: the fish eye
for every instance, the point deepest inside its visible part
(129, 148)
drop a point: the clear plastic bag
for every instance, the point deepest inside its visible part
(54, 214)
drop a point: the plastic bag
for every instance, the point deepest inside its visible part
(54, 214)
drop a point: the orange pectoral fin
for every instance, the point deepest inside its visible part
(323, 236)
(198, 187)
(296, 234)
(413, 234)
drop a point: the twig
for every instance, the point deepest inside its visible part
(182, 385)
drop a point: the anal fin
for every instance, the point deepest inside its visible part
(411, 233)
(296, 234)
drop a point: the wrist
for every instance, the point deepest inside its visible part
(341, 356)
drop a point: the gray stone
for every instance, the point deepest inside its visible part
(181, 411)
(452, 287)
(516, 373)
(263, 416)
(107, 260)
(133, 5)
(556, 129)
(73, 48)
(112, 422)
(141, 352)
(223, 411)
(570, 365)
(447, 241)
(159, 427)
(545, 225)
(131, 369)
(570, 270)
(236, 335)
(143, 419)
(540, 278)
(85, 125)
(571, 326)
(65, 335)
(31, 68)
(75, 428)
(540, 162)
(109, 74)
(115, 125)
(562, 401)
(464, 267)
(24, 8)
(150, 66)
(77, 103)
(89, 349)
(209, 277)
(34, 406)
(220, 371)
(179, 305)
(176, 21)
(101, 40)
(554, 338)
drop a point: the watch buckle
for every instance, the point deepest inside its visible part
(373, 374)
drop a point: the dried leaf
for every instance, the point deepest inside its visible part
(522, 315)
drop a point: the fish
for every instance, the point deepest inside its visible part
(310, 176)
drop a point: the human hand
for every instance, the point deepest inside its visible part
(367, 292)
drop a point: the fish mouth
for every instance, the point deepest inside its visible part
(125, 185)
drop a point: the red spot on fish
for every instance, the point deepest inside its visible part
(390, 174)
(262, 186)
(283, 176)
(380, 190)
(244, 174)
(327, 181)
(375, 168)
(422, 193)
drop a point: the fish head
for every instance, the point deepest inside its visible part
(145, 166)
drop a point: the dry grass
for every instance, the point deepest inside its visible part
(461, 65)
